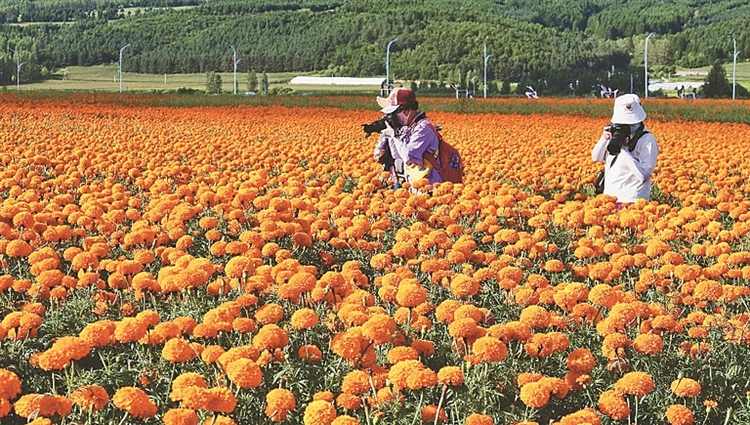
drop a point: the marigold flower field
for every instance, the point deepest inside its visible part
(247, 265)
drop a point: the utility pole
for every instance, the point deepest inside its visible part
(235, 61)
(486, 57)
(19, 64)
(645, 61)
(388, 65)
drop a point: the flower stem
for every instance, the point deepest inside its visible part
(440, 404)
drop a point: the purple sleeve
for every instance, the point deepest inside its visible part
(380, 146)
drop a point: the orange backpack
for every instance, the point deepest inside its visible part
(452, 168)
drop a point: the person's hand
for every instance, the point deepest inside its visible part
(389, 131)
(379, 153)
(606, 132)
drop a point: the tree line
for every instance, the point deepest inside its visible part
(559, 46)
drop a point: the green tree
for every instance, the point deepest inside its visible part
(716, 83)
(252, 81)
(505, 87)
(213, 83)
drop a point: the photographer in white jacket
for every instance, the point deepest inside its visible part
(629, 152)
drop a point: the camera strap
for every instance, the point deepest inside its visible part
(633, 142)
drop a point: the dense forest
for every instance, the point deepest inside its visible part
(559, 46)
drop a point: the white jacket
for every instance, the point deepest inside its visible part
(629, 178)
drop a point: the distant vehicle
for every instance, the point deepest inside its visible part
(249, 93)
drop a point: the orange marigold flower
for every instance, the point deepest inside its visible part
(270, 337)
(5, 406)
(42, 405)
(304, 318)
(90, 397)
(685, 387)
(178, 350)
(348, 401)
(245, 373)
(430, 413)
(212, 353)
(613, 404)
(184, 381)
(345, 420)
(450, 375)
(18, 248)
(604, 295)
(410, 293)
(310, 353)
(585, 416)
(464, 286)
(348, 344)
(134, 401)
(423, 347)
(708, 290)
(84, 261)
(319, 412)
(479, 419)
(180, 416)
(269, 313)
(635, 383)
(613, 345)
(239, 267)
(648, 344)
(379, 328)
(244, 325)
(536, 317)
(219, 420)
(524, 378)
(130, 329)
(535, 395)
(221, 400)
(399, 372)
(279, 402)
(356, 382)
(10, 384)
(581, 360)
(399, 354)
(490, 349)
(678, 414)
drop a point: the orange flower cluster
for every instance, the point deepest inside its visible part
(294, 251)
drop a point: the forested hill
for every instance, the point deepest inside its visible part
(566, 43)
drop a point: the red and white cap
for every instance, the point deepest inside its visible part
(398, 97)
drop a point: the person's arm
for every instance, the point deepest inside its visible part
(646, 152)
(380, 146)
(599, 152)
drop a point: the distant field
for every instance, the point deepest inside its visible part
(699, 74)
(105, 78)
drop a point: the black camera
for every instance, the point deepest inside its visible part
(379, 125)
(620, 134)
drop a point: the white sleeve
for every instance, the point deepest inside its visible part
(599, 153)
(643, 160)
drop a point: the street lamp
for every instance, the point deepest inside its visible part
(645, 60)
(19, 64)
(734, 67)
(388, 64)
(486, 57)
(119, 66)
(235, 61)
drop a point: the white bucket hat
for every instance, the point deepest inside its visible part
(628, 110)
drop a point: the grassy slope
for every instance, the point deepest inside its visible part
(104, 78)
